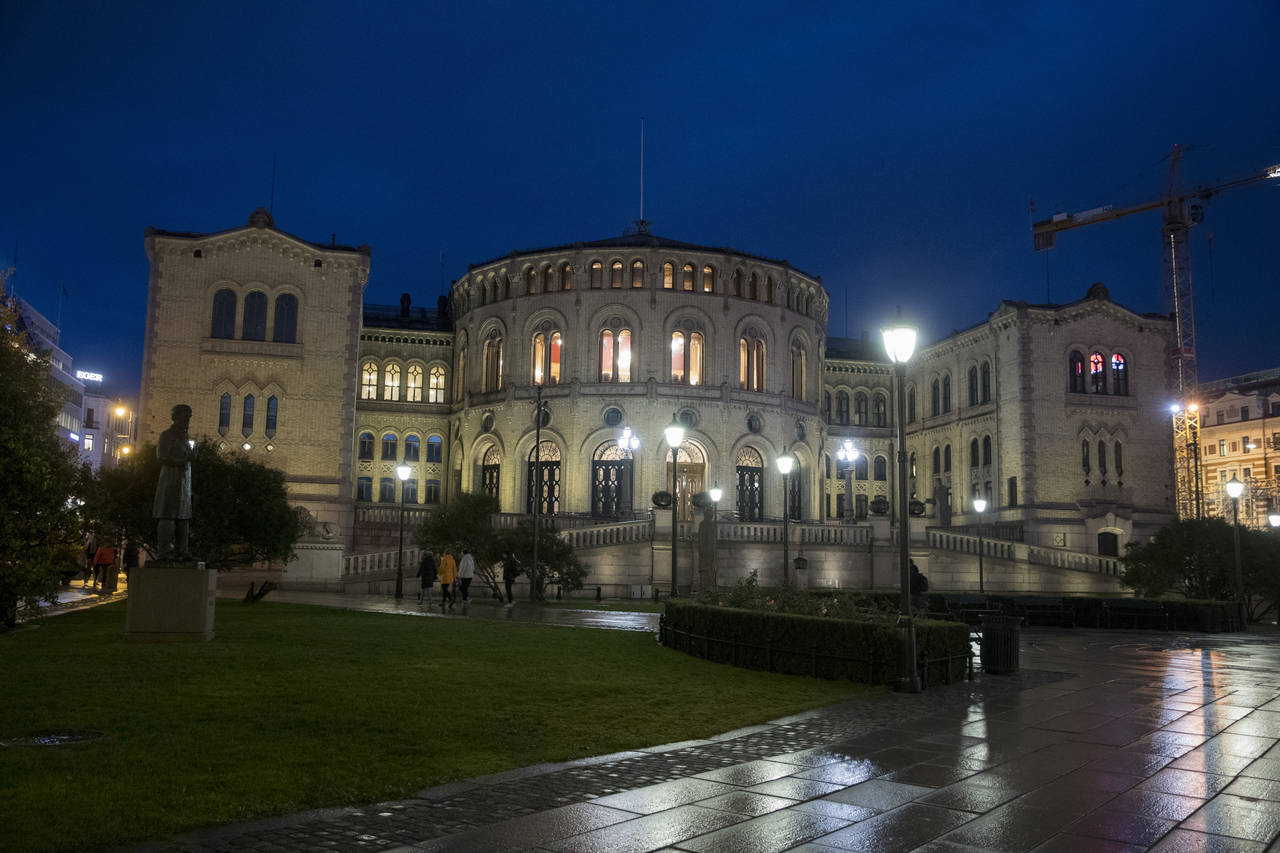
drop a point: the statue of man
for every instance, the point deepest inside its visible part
(172, 507)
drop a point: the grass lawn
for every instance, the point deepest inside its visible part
(295, 707)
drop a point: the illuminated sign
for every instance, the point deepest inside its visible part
(87, 376)
(73, 436)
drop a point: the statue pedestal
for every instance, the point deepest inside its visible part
(171, 602)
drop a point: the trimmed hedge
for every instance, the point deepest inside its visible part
(1209, 617)
(816, 646)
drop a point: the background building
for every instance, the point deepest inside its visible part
(1240, 437)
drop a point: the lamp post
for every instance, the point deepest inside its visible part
(785, 463)
(899, 344)
(403, 472)
(848, 455)
(980, 506)
(674, 434)
(1235, 489)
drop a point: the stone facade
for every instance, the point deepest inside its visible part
(1240, 437)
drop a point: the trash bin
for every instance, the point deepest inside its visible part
(1000, 637)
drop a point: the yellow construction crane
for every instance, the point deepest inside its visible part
(1181, 210)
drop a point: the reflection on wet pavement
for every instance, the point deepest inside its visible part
(1106, 741)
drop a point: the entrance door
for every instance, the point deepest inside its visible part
(489, 477)
(692, 473)
(750, 468)
(543, 480)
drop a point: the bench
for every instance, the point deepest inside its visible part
(1050, 611)
(968, 608)
(1140, 614)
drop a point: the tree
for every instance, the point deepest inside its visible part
(558, 563)
(240, 508)
(465, 524)
(38, 523)
(1196, 558)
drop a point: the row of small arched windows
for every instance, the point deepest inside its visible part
(879, 413)
(248, 408)
(391, 377)
(1104, 376)
(284, 327)
(367, 445)
(1087, 451)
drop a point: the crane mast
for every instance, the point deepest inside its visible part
(1180, 211)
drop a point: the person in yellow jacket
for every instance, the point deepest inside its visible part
(448, 570)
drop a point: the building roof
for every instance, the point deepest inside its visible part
(260, 218)
(641, 238)
(405, 316)
(855, 349)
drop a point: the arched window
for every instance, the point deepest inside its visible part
(751, 361)
(749, 466)
(879, 411)
(911, 463)
(1119, 375)
(493, 362)
(637, 274)
(246, 422)
(411, 445)
(937, 463)
(435, 448)
(860, 467)
(285, 328)
(389, 442)
(1119, 460)
(391, 382)
(1102, 458)
(986, 450)
(826, 406)
(1075, 372)
(1108, 544)
(708, 280)
(686, 357)
(386, 490)
(668, 275)
(530, 281)
(615, 274)
(946, 459)
(911, 405)
(462, 369)
(435, 385)
(842, 407)
(615, 355)
(224, 414)
(1097, 373)
(860, 409)
(737, 282)
(597, 274)
(255, 317)
(973, 386)
(413, 384)
(224, 314)
(369, 381)
(688, 277)
(566, 277)
(753, 288)
(881, 469)
(799, 372)
(1084, 455)
(366, 446)
(768, 289)
(946, 393)
(935, 399)
(273, 414)
(409, 491)
(547, 345)
(974, 453)
(986, 382)
(506, 286)
(548, 279)
(364, 488)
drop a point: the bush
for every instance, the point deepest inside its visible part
(820, 646)
(1185, 614)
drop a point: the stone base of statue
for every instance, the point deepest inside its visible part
(171, 601)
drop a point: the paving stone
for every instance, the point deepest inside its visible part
(767, 834)
(1187, 841)
(649, 832)
(1252, 820)
(896, 831)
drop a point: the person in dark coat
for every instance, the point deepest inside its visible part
(919, 587)
(427, 575)
(510, 571)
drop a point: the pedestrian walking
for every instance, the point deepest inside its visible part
(466, 572)
(104, 560)
(510, 571)
(448, 571)
(426, 574)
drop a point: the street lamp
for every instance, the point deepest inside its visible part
(980, 506)
(848, 455)
(403, 472)
(785, 463)
(1235, 489)
(674, 434)
(1274, 518)
(899, 344)
(717, 493)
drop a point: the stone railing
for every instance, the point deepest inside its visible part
(948, 541)
(389, 513)
(383, 561)
(800, 533)
(601, 535)
(1058, 558)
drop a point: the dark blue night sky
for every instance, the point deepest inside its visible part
(891, 151)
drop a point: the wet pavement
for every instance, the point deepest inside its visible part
(1105, 741)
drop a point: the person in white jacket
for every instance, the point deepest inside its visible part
(466, 571)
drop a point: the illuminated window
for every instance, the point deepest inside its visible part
(435, 448)
(548, 279)
(255, 317)
(708, 280)
(493, 363)
(389, 443)
(637, 274)
(668, 275)
(688, 277)
(391, 382)
(224, 414)
(435, 385)
(246, 421)
(615, 355)
(366, 446)
(1119, 375)
(566, 277)
(530, 281)
(686, 357)
(224, 314)
(364, 489)
(597, 274)
(369, 381)
(615, 274)
(1097, 373)
(546, 357)
(88, 442)
(273, 413)
(285, 327)
(751, 361)
(799, 372)
(413, 385)
(1075, 372)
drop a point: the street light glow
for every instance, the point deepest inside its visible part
(847, 452)
(785, 463)
(1274, 518)
(979, 505)
(1235, 488)
(1175, 408)
(674, 433)
(899, 343)
(403, 472)
(717, 493)
(120, 410)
